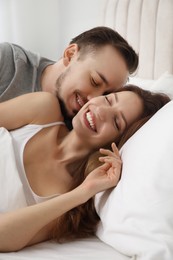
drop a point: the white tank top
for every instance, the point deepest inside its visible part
(15, 191)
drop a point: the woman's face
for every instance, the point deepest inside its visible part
(103, 119)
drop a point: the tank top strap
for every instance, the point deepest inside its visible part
(53, 124)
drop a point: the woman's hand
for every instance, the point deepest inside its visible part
(107, 175)
(113, 158)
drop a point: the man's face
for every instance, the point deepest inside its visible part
(92, 75)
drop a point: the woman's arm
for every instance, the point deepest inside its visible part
(38, 108)
(30, 225)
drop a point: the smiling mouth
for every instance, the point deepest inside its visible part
(90, 120)
(80, 100)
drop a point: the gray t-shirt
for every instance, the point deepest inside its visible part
(20, 71)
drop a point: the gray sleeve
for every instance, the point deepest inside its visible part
(7, 68)
(18, 71)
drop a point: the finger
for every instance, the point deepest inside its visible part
(116, 167)
(114, 148)
(103, 159)
(112, 156)
(105, 166)
(110, 159)
(106, 152)
(113, 173)
(109, 152)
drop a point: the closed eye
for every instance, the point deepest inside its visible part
(122, 115)
(117, 124)
(94, 83)
(107, 100)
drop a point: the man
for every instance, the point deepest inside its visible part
(96, 62)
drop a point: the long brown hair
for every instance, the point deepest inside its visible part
(82, 221)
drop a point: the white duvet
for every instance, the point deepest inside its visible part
(137, 216)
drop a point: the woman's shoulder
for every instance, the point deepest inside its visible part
(47, 107)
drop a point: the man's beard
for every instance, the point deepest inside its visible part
(67, 117)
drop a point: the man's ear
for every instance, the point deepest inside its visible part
(69, 53)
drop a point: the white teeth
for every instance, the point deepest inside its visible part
(79, 100)
(90, 121)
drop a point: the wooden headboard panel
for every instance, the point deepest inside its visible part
(148, 27)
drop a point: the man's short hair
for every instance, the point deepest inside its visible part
(101, 36)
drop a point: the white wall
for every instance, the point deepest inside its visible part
(78, 16)
(34, 24)
(47, 26)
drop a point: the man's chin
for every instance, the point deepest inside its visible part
(74, 113)
(71, 114)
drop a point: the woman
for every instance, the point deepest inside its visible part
(45, 159)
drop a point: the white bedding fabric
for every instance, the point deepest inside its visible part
(137, 216)
(163, 84)
(84, 249)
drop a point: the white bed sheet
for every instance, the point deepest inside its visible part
(82, 249)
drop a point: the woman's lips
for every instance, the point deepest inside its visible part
(90, 121)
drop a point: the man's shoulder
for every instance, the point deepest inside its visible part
(16, 52)
(13, 51)
(5, 50)
(7, 47)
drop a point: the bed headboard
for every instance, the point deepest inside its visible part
(148, 27)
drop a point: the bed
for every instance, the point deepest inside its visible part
(136, 216)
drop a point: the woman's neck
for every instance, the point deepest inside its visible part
(71, 149)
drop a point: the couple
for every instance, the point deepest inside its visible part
(96, 62)
(55, 167)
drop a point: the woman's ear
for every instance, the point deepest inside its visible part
(69, 53)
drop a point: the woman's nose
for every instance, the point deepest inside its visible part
(103, 112)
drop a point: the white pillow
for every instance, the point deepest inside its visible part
(142, 83)
(164, 84)
(137, 215)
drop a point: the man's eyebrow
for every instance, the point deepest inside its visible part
(116, 98)
(103, 78)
